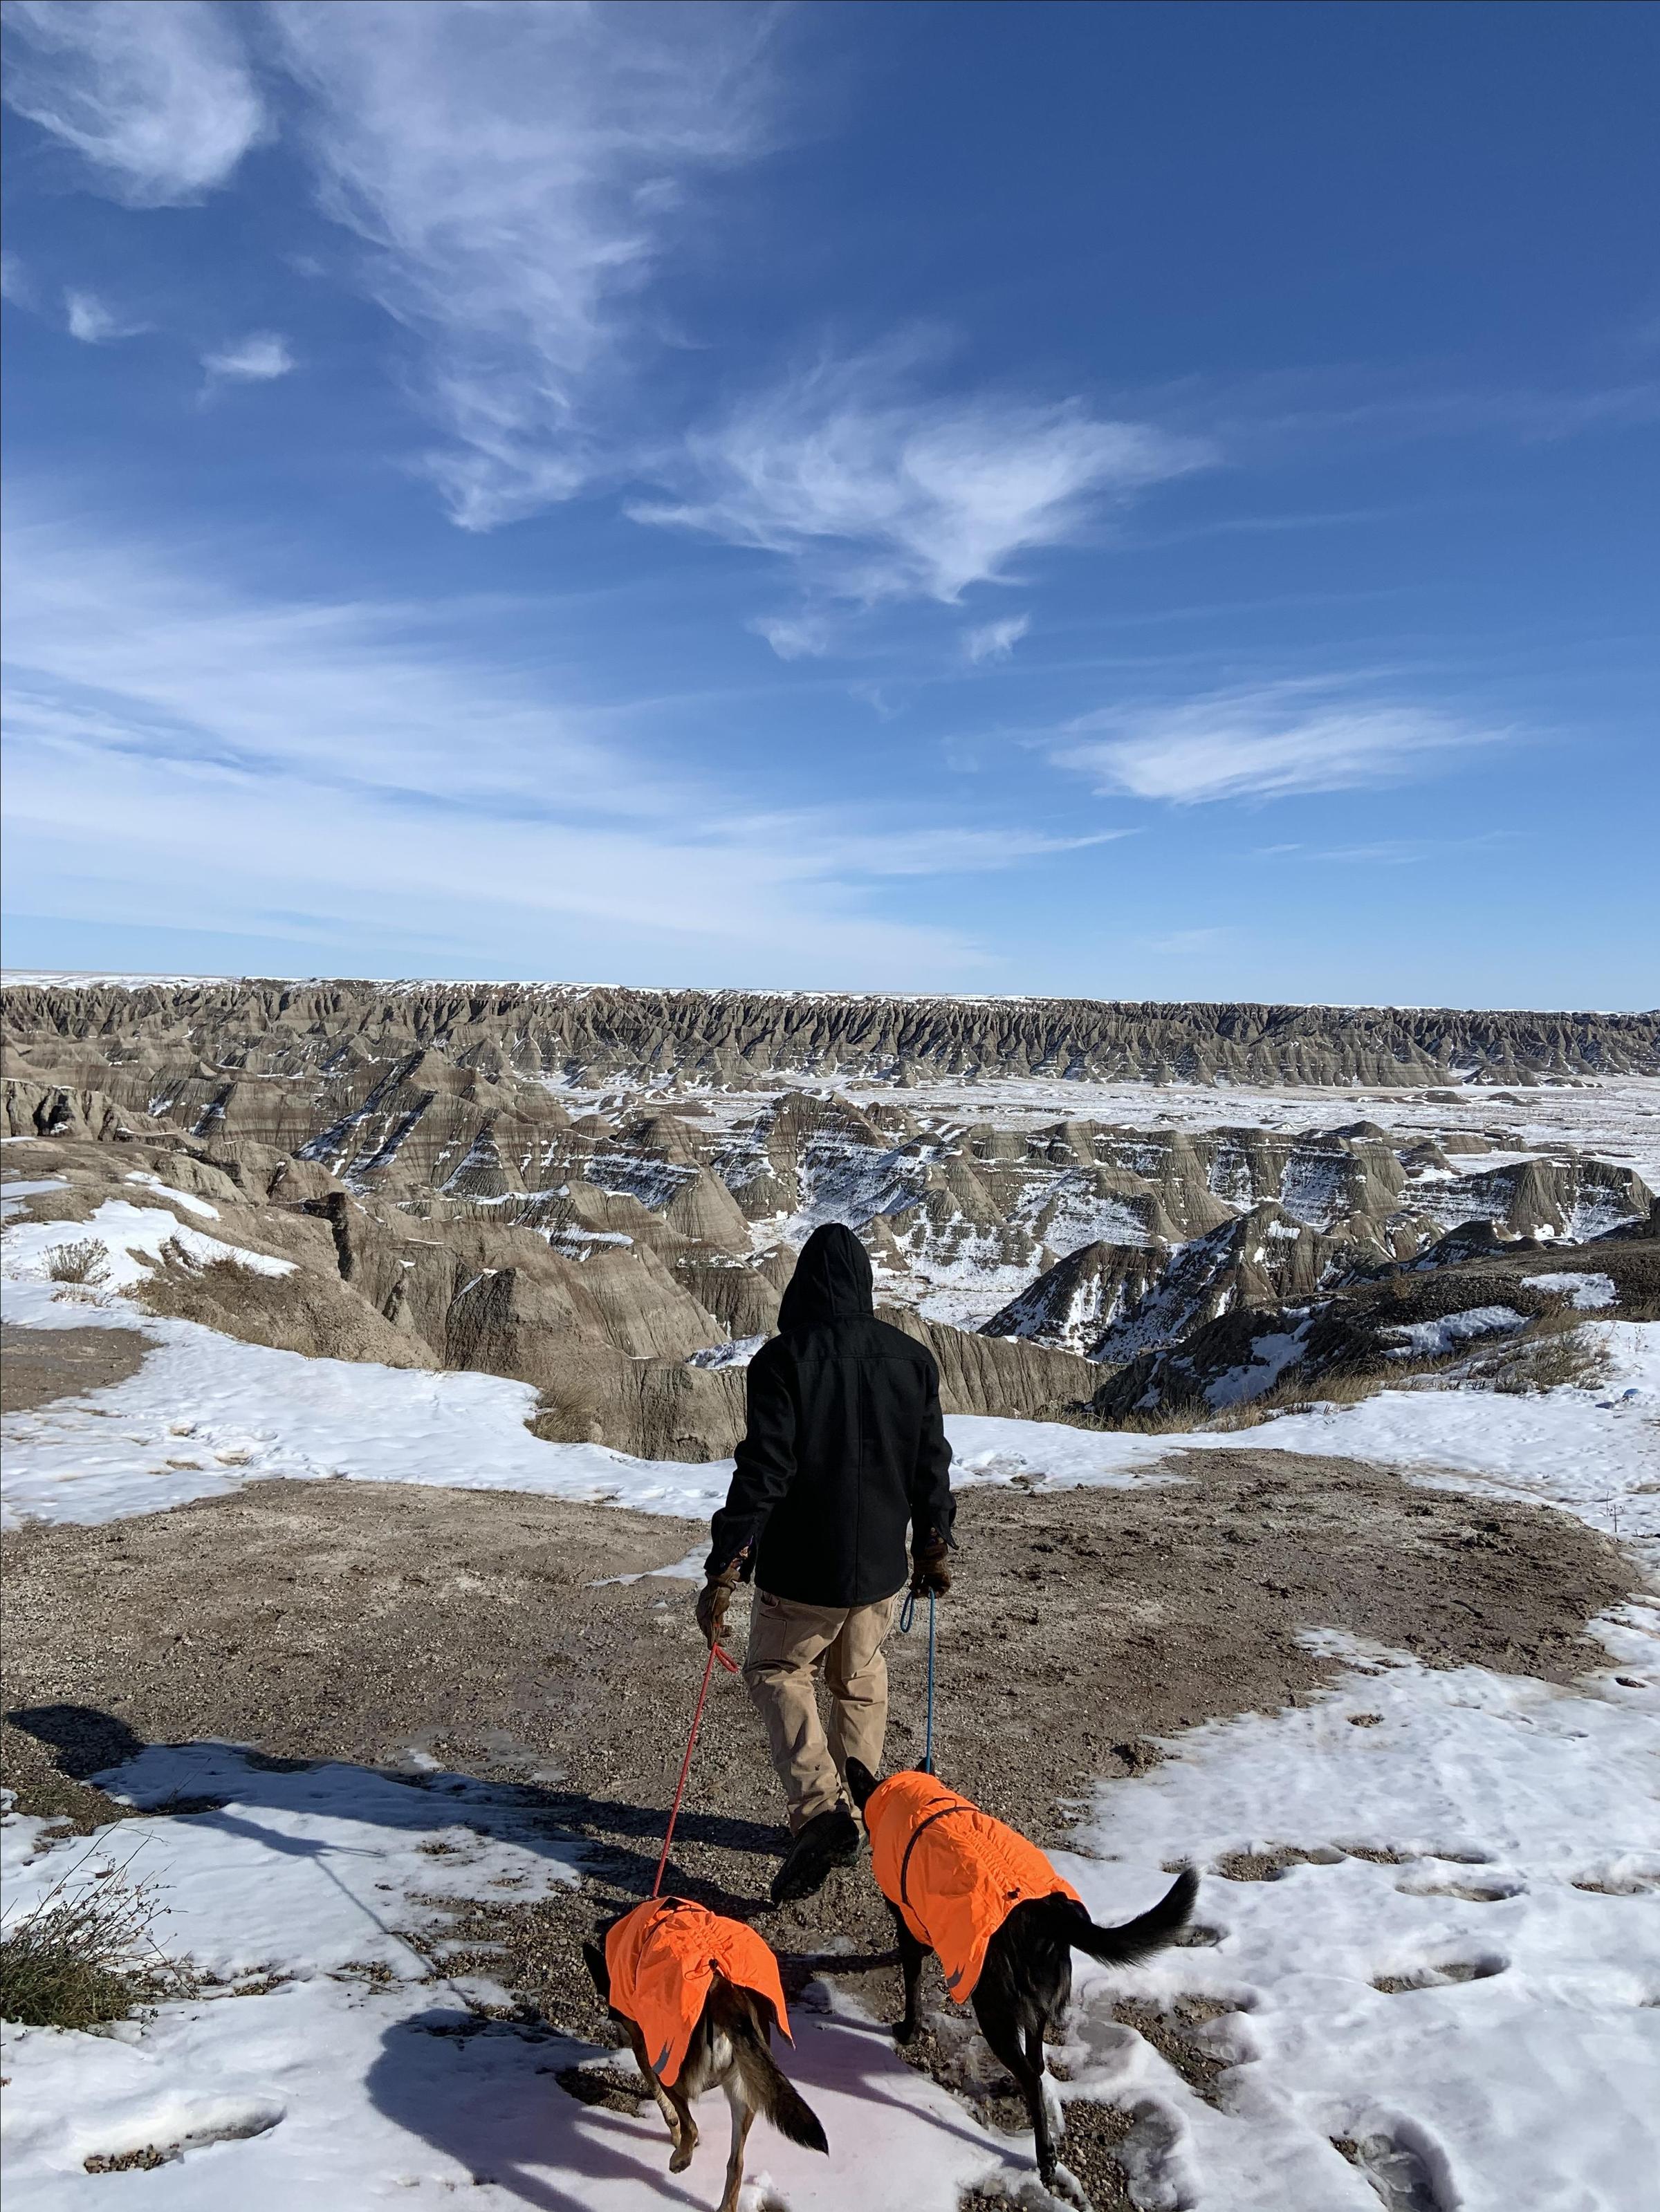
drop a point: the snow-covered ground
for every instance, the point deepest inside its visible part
(1516, 1891)
(1522, 1887)
(332, 2065)
(330, 2069)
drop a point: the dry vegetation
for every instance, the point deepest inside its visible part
(85, 1955)
(84, 1261)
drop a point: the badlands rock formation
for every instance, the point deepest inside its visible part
(591, 1033)
(601, 1191)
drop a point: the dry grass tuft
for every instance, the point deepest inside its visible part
(84, 1955)
(85, 1262)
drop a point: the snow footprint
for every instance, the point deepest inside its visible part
(1398, 2170)
(178, 2128)
(1442, 1975)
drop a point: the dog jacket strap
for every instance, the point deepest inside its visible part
(916, 1836)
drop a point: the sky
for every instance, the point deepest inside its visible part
(1134, 501)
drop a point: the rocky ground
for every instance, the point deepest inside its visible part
(491, 1634)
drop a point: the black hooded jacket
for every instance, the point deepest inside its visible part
(844, 1446)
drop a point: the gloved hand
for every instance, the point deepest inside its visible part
(714, 1599)
(930, 1568)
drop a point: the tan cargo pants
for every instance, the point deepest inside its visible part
(790, 1646)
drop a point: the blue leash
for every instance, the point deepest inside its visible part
(907, 1615)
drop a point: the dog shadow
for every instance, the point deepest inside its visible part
(486, 2096)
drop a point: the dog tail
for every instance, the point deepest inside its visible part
(769, 2090)
(1139, 1938)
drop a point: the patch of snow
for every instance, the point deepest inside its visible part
(689, 1570)
(1514, 2074)
(129, 1236)
(738, 1353)
(1431, 1339)
(13, 1195)
(191, 1203)
(656, 1183)
(1269, 1357)
(1585, 1293)
(1594, 1454)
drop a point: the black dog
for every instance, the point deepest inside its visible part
(1024, 1983)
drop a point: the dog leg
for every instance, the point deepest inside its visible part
(911, 1956)
(677, 2117)
(1001, 2033)
(685, 2132)
(743, 2117)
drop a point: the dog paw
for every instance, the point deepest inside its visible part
(903, 2031)
(1065, 2185)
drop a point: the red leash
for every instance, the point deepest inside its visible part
(731, 1666)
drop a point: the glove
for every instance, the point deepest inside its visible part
(712, 1602)
(930, 1570)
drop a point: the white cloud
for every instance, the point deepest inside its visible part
(994, 640)
(15, 281)
(182, 753)
(255, 359)
(1262, 743)
(517, 171)
(93, 323)
(883, 496)
(794, 637)
(157, 98)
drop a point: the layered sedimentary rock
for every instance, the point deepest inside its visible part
(585, 1034)
(458, 1195)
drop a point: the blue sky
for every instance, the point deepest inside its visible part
(1141, 500)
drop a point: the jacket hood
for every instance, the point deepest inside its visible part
(832, 1281)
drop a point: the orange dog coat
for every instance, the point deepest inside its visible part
(662, 1958)
(955, 1873)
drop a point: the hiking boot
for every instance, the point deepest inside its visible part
(828, 1840)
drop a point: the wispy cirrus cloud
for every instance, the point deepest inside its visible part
(258, 358)
(157, 99)
(993, 640)
(14, 284)
(1267, 743)
(226, 757)
(87, 318)
(516, 174)
(878, 493)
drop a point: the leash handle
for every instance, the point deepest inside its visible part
(731, 1666)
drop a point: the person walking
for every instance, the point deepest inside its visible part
(844, 1450)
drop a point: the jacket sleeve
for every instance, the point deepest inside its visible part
(766, 1463)
(933, 1507)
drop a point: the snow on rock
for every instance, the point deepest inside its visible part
(129, 1236)
(1431, 1339)
(1585, 1293)
(1510, 2058)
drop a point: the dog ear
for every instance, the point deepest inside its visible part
(594, 1959)
(860, 1781)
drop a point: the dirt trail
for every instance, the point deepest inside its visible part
(365, 1622)
(38, 1365)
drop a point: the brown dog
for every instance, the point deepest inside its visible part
(699, 1995)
